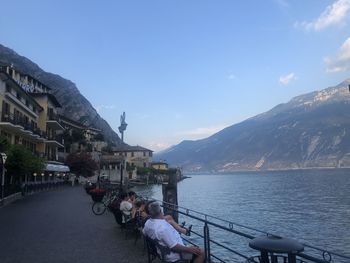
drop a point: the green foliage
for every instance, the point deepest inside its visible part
(82, 164)
(4, 144)
(78, 136)
(152, 171)
(89, 147)
(99, 137)
(21, 161)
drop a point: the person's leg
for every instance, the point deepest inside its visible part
(200, 258)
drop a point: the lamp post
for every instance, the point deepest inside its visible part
(122, 128)
(99, 169)
(3, 160)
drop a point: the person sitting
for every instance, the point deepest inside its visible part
(132, 197)
(169, 219)
(158, 229)
(126, 207)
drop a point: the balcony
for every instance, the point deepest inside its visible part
(53, 121)
(20, 125)
(54, 140)
(21, 102)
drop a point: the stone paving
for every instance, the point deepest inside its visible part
(59, 226)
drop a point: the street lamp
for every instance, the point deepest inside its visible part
(122, 128)
(3, 160)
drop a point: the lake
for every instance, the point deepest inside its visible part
(311, 206)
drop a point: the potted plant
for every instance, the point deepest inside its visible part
(89, 186)
(97, 194)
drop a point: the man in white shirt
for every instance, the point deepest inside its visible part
(160, 230)
(125, 207)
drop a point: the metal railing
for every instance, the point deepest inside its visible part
(227, 241)
(53, 116)
(23, 122)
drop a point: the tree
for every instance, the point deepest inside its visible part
(4, 144)
(82, 164)
(21, 162)
(99, 137)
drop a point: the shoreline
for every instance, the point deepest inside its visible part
(268, 170)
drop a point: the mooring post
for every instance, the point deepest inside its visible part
(169, 191)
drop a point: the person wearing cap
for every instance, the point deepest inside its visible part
(157, 228)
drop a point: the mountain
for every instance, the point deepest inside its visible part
(311, 130)
(74, 105)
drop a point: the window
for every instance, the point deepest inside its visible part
(150, 154)
(132, 154)
(144, 165)
(144, 153)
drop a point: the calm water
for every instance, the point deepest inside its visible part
(311, 206)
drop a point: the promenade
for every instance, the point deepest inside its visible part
(59, 226)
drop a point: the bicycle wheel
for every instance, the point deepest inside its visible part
(98, 208)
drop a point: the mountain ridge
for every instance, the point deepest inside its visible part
(311, 130)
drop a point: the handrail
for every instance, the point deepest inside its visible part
(327, 255)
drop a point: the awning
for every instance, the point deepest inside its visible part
(56, 168)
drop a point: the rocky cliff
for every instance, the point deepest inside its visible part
(74, 105)
(312, 130)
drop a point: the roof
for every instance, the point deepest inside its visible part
(77, 124)
(56, 167)
(128, 148)
(24, 74)
(7, 78)
(111, 159)
(50, 96)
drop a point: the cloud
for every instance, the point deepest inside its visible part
(341, 61)
(332, 15)
(202, 132)
(285, 80)
(104, 107)
(158, 146)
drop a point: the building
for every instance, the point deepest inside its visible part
(89, 136)
(49, 121)
(29, 114)
(160, 165)
(135, 156)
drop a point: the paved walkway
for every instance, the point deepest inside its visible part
(59, 226)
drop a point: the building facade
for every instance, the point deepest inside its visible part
(160, 165)
(25, 116)
(135, 156)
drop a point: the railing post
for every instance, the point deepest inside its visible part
(206, 243)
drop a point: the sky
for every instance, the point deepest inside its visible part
(183, 69)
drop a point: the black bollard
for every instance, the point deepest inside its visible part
(169, 191)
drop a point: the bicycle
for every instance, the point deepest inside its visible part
(99, 208)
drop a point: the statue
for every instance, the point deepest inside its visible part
(123, 125)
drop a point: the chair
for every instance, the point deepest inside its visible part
(153, 247)
(130, 226)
